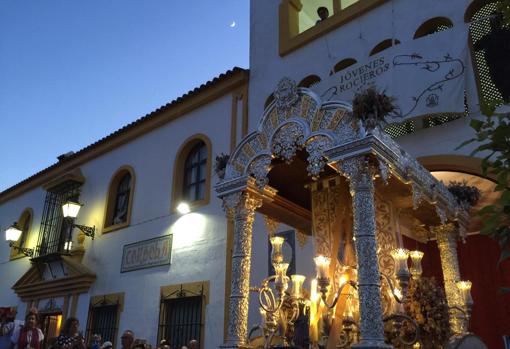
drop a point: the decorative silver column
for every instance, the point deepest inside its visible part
(241, 208)
(360, 175)
(447, 243)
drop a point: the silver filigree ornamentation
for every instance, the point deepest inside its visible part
(302, 238)
(271, 225)
(447, 243)
(287, 141)
(285, 94)
(360, 174)
(384, 171)
(243, 206)
(441, 214)
(316, 161)
(259, 168)
(417, 196)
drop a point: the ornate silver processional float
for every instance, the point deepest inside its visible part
(354, 212)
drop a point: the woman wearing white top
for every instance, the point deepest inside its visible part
(28, 336)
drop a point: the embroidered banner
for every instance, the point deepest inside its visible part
(426, 75)
(147, 254)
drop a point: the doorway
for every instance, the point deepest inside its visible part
(50, 326)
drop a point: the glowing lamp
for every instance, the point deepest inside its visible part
(416, 269)
(297, 285)
(276, 250)
(322, 266)
(70, 209)
(68, 245)
(465, 291)
(400, 256)
(183, 208)
(13, 233)
(281, 269)
(282, 281)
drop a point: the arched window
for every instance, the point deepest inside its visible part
(490, 54)
(192, 172)
(195, 173)
(383, 45)
(310, 81)
(120, 199)
(24, 222)
(432, 26)
(343, 64)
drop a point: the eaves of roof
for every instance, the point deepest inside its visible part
(191, 100)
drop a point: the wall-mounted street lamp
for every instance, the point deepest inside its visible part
(12, 234)
(70, 210)
(183, 208)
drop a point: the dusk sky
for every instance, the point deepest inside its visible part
(73, 71)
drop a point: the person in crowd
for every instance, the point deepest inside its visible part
(164, 344)
(107, 345)
(127, 339)
(96, 341)
(323, 13)
(140, 344)
(28, 336)
(193, 344)
(6, 328)
(70, 337)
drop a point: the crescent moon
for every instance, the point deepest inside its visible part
(233, 24)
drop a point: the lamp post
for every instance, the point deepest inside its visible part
(70, 211)
(12, 235)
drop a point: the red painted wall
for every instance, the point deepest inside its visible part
(478, 262)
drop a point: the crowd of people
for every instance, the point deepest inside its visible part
(30, 336)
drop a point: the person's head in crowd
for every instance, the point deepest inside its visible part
(127, 339)
(32, 318)
(193, 344)
(70, 328)
(323, 13)
(107, 345)
(140, 344)
(164, 344)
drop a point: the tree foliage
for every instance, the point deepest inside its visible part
(492, 135)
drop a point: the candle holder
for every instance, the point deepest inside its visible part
(281, 281)
(276, 249)
(297, 285)
(416, 269)
(400, 256)
(323, 280)
(464, 288)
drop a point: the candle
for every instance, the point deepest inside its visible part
(297, 283)
(314, 305)
(322, 266)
